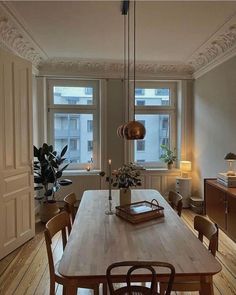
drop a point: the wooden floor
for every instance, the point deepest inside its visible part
(25, 271)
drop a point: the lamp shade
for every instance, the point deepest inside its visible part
(230, 157)
(134, 130)
(185, 166)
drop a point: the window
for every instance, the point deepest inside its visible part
(88, 91)
(139, 91)
(89, 126)
(140, 145)
(73, 144)
(74, 120)
(153, 96)
(140, 102)
(90, 145)
(157, 114)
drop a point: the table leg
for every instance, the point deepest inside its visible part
(206, 286)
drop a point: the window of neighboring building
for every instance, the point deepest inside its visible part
(88, 91)
(140, 145)
(89, 126)
(73, 144)
(90, 145)
(139, 91)
(74, 120)
(140, 102)
(158, 119)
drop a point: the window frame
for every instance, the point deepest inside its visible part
(170, 110)
(77, 109)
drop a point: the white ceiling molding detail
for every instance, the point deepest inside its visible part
(16, 39)
(219, 48)
(105, 69)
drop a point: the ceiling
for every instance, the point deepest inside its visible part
(167, 32)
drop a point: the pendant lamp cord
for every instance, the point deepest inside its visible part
(125, 61)
(128, 64)
(134, 56)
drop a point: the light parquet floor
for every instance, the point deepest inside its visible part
(25, 271)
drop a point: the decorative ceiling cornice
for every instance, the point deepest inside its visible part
(217, 49)
(110, 69)
(16, 39)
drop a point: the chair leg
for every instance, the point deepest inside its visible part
(52, 287)
(162, 289)
(104, 288)
(96, 290)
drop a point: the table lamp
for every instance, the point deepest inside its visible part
(185, 167)
(230, 158)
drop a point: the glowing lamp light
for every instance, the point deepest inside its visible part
(185, 167)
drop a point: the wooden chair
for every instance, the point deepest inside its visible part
(60, 222)
(175, 200)
(206, 229)
(70, 201)
(137, 289)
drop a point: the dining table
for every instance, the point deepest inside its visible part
(98, 240)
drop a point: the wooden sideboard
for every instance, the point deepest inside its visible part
(220, 206)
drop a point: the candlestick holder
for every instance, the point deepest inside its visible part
(109, 211)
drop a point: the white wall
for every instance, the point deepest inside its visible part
(214, 121)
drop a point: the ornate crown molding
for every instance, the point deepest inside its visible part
(219, 48)
(16, 39)
(111, 69)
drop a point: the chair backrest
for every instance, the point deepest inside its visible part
(70, 201)
(176, 202)
(60, 222)
(134, 265)
(208, 229)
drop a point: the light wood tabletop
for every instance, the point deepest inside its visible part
(98, 240)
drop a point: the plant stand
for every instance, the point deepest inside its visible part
(48, 210)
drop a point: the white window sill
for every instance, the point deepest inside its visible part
(83, 172)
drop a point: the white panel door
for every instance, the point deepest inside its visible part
(16, 179)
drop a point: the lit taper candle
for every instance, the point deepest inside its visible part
(109, 165)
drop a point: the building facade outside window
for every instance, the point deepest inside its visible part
(158, 115)
(74, 120)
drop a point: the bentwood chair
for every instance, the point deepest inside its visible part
(175, 200)
(206, 229)
(130, 289)
(60, 223)
(70, 201)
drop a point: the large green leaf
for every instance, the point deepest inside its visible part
(65, 182)
(48, 193)
(58, 174)
(64, 150)
(37, 179)
(36, 152)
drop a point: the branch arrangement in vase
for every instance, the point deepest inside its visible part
(126, 176)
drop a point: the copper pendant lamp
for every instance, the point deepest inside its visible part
(132, 130)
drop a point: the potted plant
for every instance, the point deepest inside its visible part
(124, 178)
(168, 156)
(47, 174)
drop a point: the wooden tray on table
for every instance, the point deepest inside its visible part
(140, 211)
